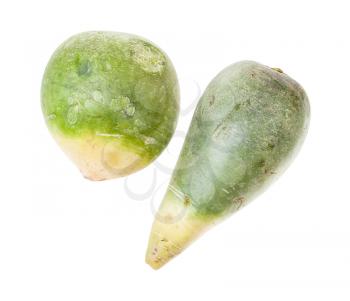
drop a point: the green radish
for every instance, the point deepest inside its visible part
(111, 101)
(248, 125)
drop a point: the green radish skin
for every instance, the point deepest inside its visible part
(248, 125)
(111, 101)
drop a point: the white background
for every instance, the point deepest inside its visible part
(65, 238)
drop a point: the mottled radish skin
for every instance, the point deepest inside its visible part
(248, 125)
(110, 90)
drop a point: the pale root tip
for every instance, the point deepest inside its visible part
(175, 227)
(100, 158)
(154, 265)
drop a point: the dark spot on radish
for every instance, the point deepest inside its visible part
(238, 202)
(212, 100)
(84, 68)
(237, 107)
(155, 252)
(261, 163)
(187, 201)
(270, 146)
(269, 172)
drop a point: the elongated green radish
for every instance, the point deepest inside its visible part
(111, 101)
(248, 125)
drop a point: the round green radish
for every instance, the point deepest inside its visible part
(248, 125)
(111, 101)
